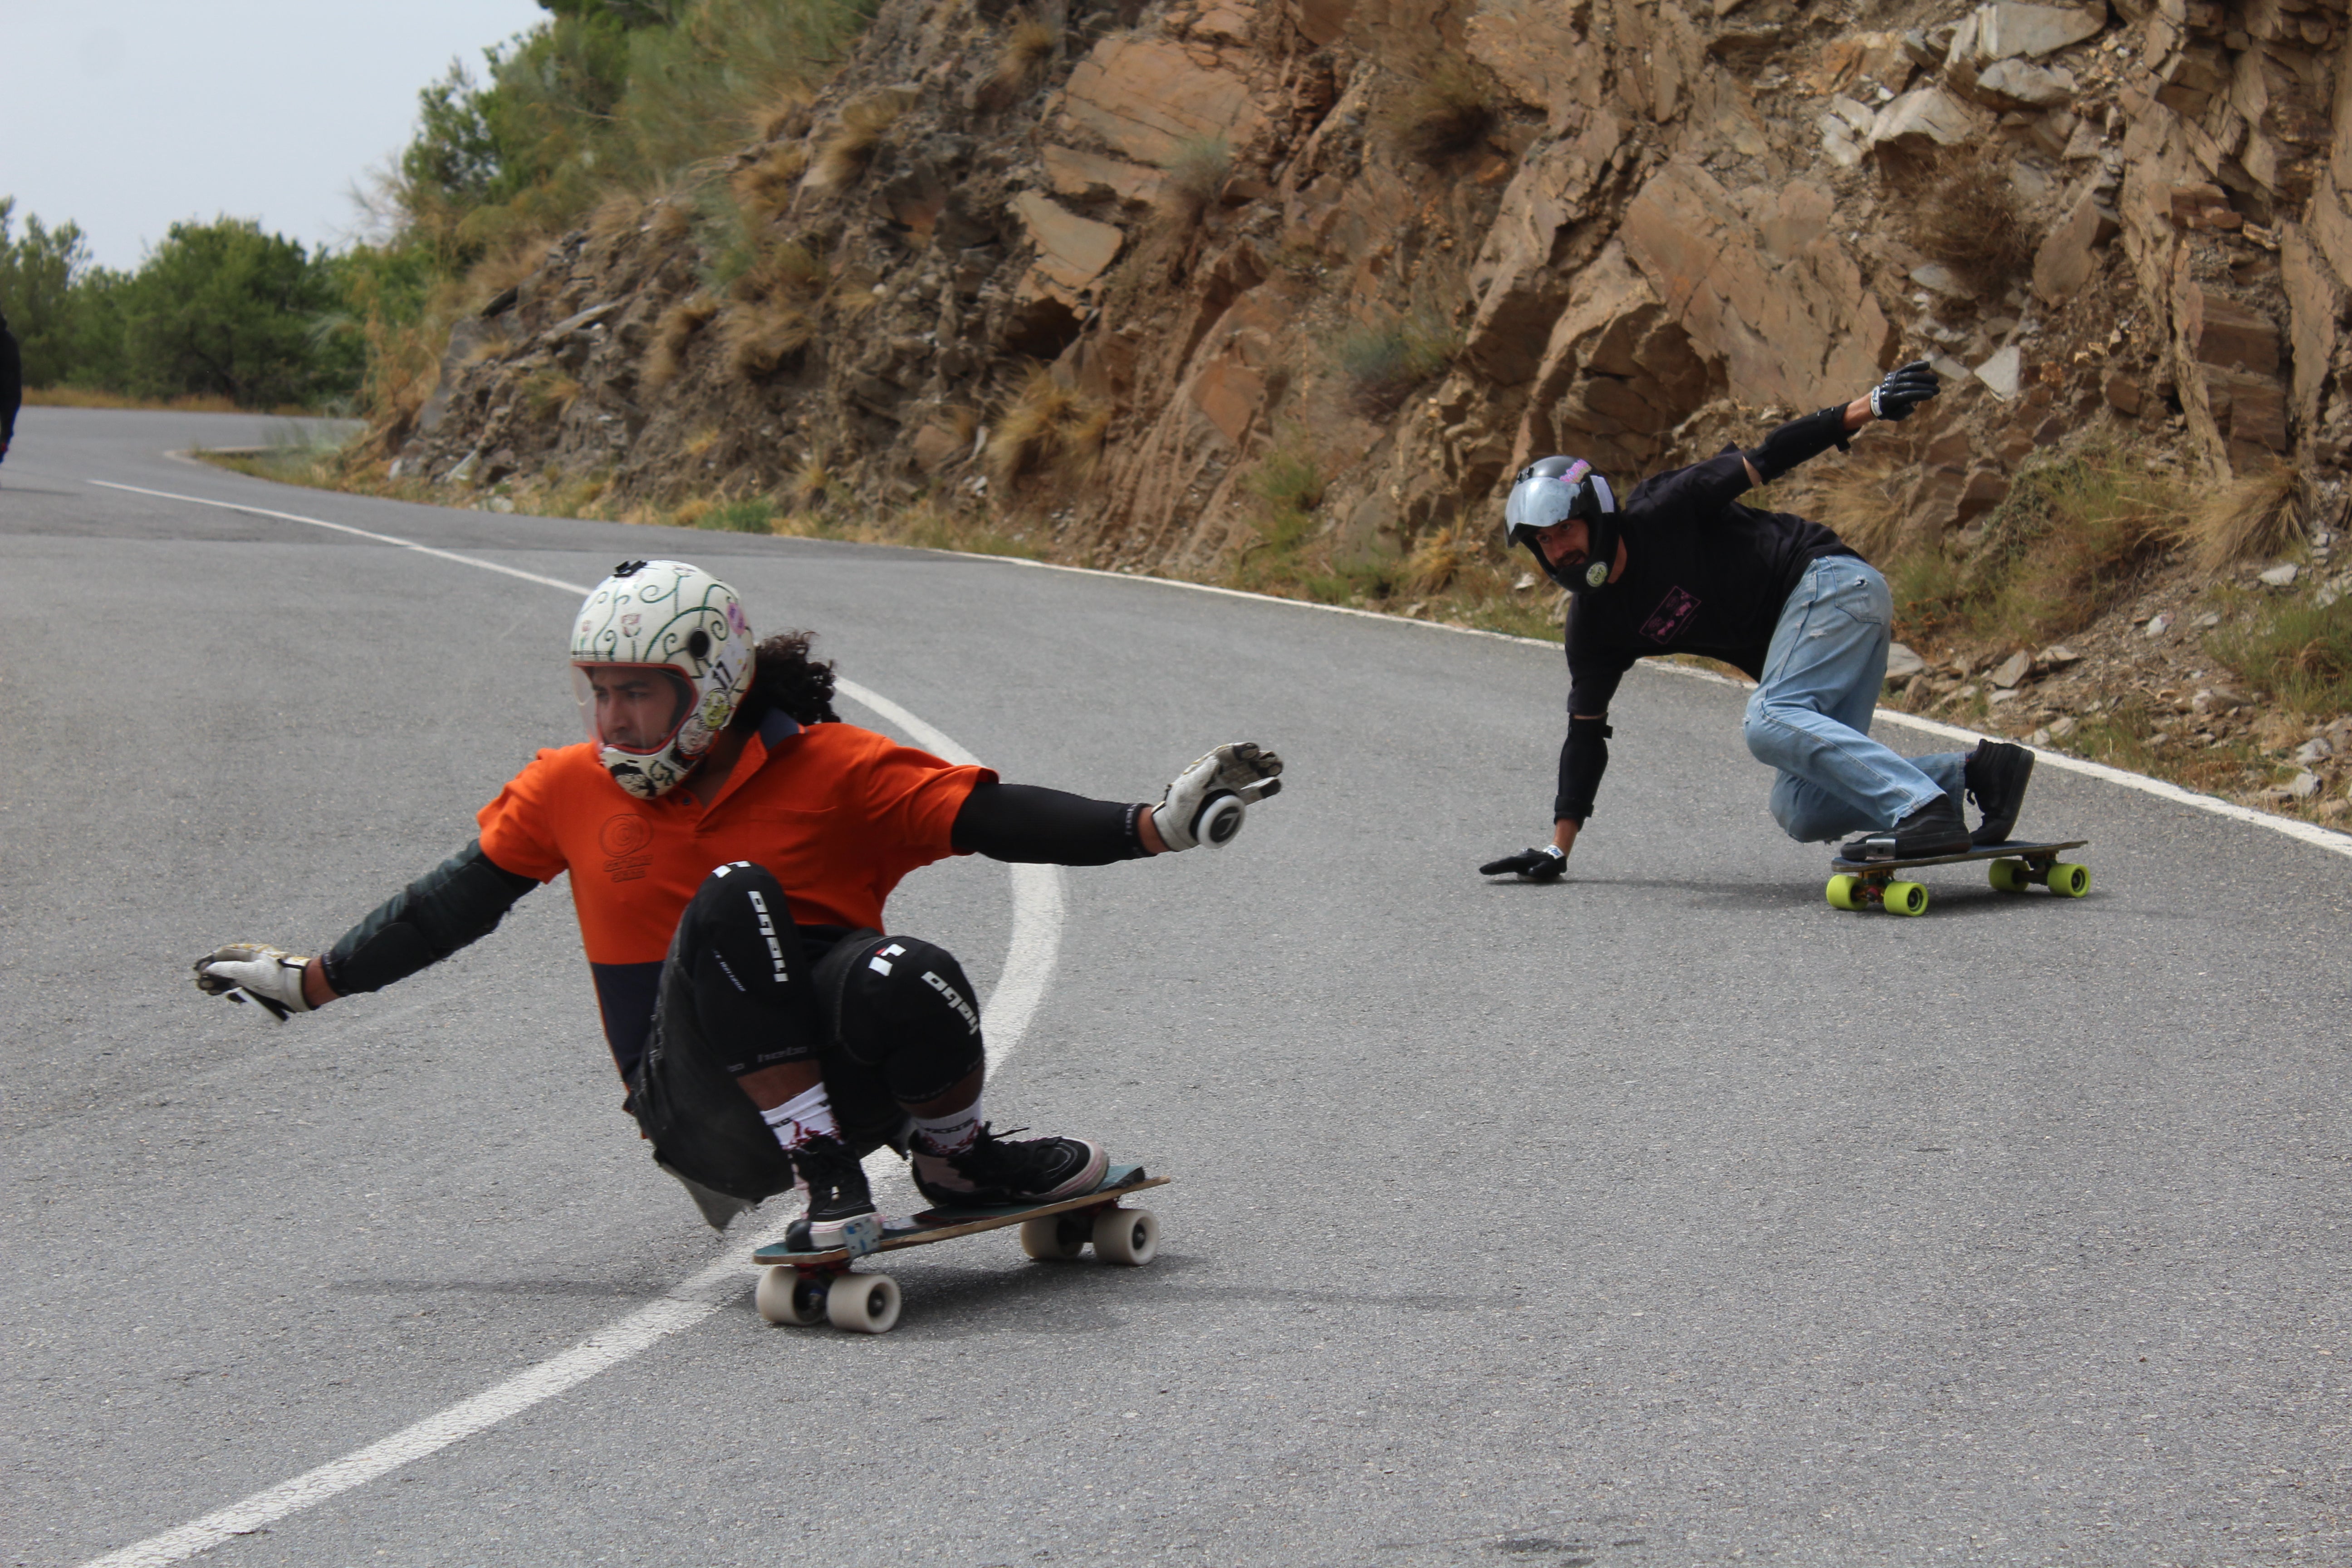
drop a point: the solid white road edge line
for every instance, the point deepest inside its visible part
(2309, 833)
(2319, 838)
(1028, 968)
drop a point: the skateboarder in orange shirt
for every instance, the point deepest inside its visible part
(730, 844)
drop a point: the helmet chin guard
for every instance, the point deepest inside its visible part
(1553, 490)
(684, 630)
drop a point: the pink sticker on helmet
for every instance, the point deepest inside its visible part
(1576, 472)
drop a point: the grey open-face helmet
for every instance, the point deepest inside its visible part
(1553, 490)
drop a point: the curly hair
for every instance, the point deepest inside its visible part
(785, 677)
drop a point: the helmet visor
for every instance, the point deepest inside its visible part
(1536, 504)
(632, 707)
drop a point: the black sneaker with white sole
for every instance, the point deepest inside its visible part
(1997, 773)
(840, 1209)
(997, 1171)
(1935, 828)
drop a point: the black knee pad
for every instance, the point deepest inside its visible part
(907, 1010)
(738, 953)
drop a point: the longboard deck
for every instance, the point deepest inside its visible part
(943, 1225)
(2019, 850)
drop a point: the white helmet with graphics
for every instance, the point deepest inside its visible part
(661, 655)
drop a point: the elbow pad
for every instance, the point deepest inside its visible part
(1583, 758)
(457, 903)
(1799, 439)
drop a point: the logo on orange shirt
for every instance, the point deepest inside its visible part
(622, 836)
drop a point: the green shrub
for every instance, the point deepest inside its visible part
(756, 515)
(1383, 362)
(2298, 650)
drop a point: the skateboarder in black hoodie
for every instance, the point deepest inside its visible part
(1681, 567)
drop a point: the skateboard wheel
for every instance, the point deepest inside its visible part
(1054, 1237)
(1841, 889)
(1905, 899)
(788, 1296)
(1126, 1236)
(2070, 881)
(863, 1303)
(2009, 875)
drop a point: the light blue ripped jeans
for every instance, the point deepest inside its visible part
(1810, 716)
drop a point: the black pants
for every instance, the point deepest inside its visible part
(891, 1020)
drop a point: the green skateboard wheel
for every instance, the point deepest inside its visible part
(1905, 899)
(2009, 875)
(2070, 881)
(1841, 889)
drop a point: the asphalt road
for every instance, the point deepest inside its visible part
(1664, 1216)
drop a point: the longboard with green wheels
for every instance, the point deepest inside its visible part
(806, 1288)
(2011, 868)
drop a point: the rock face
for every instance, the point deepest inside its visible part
(1241, 227)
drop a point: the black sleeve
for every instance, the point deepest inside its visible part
(1047, 826)
(1583, 758)
(1799, 439)
(1592, 679)
(461, 900)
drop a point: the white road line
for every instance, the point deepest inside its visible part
(1009, 1007)
(2318, 838)
(2309, 833)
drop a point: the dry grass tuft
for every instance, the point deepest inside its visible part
(1440, 558)
(669, 221)
(784, 119)
(2258, 514)
(1860, 499)
(1021, 63)
(616, 218)
(763, 187)
(762, 338)
(672, 334)
(506, 267)
(1966, 212)
(1446, 114)
(849, 150)
(1048, 430)
(786, 273)
(811, 485)
(1197, 173)
(549, 393)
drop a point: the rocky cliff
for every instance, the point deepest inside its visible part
(1402, 246)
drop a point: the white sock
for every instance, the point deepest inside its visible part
(807, 1115)
(950, 1135)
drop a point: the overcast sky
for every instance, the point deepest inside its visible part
(128, 115)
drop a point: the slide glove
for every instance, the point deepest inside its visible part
(1204, 806)
(1905, 387)
(246, 971)
(1542, 863)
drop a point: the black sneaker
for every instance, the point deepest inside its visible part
(840, 1209)
(1935, 828)
(1005, 1172)
(1996, 773)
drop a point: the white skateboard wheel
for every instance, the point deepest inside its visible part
(863, 1303)
(1054, 1236)
(781, 1299)
(1126, 1236)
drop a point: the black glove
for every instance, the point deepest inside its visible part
(1544, 863)
(1905, 387)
